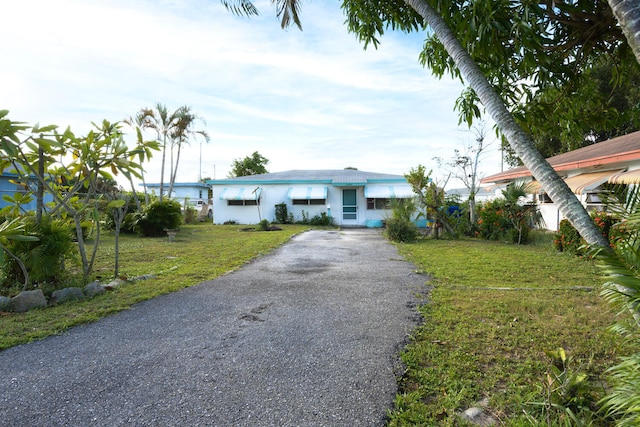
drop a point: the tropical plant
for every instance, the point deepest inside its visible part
(158, 217)
(77, 182)
(399, 226)
(10, 231)
(43, 256)
(170, 128)
(182, 133)
(522, 215)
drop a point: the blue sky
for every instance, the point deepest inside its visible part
(305, 100)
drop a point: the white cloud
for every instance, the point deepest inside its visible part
(313, 99)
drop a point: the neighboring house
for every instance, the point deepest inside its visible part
(588, 171)
(350, 197)
(194, 194)
(10, 185)
(484, 194)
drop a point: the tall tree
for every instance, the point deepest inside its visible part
(627, 12)
(182, 132)
(465, 164)
(251, 165)
(165, 124)
(513, 43)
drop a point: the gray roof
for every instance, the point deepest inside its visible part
(331, 176)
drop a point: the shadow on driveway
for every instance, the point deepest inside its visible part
(308, 335)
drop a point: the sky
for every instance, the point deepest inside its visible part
(311, 99)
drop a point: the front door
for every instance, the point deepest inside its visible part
(349, 207)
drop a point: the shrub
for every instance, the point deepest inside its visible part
(158, 217)
(567, 239)
(263, 225)
(492, 223)
(401, 230)
(282, 214)
(44, 259)
(190, 215)
(322, 219)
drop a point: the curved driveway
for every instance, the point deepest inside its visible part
(308, 335)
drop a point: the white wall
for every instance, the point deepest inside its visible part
(272, 195)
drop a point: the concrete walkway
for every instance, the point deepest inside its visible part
(308, 335)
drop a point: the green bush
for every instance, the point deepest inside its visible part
(322, 219)
(190, 215)
(282, 214)
(567, 238)
(492, 223)
(158, 217)
(44, 259)
(401, 230)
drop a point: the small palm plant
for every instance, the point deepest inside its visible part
(622, 289)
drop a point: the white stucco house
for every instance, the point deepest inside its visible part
(350, 197)
(588, 171)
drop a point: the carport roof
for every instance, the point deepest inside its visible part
(336, 177)
(610, 153)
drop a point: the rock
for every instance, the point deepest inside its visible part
(5, 303)
(66, 294)
(93, 289)
(113, 284)
(27, 300)
(478, 416)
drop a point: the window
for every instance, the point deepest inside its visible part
(378, 203)
(309, 201)
(544, 198)
(242, 202)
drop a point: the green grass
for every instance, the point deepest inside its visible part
(199, 252)
(493, 311)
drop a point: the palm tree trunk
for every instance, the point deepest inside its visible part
(164, 157)
(627, 12)
(174, 173)
(518, 139)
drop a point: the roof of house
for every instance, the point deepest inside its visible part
(177, 184)
(611, 152)
(337, 177)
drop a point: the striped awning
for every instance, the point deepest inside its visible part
(401, 191)
(533, 187)
(307, 193)
(582, 183)
(250, 193)
(629, 177)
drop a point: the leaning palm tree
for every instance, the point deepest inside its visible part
(627, 12)
(522, 144)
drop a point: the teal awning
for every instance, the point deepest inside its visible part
(242, 193)
(399, 191)
(307, 193)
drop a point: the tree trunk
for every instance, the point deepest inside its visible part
(521, 143)
(627, 12)
(40, 188)
(174, 172)
(164, 157)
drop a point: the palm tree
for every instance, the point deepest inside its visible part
(164, 123)
(142, 153)
(518, 139)
(627, 12)
(181, 133)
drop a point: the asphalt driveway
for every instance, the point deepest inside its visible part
(305, 336)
